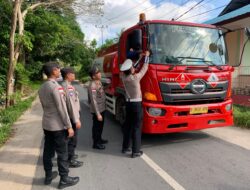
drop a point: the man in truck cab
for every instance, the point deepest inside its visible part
(134, 52)
(132, 126)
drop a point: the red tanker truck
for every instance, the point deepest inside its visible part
(188, 82)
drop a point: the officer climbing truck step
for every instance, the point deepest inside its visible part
(188, 83)
(132, 125)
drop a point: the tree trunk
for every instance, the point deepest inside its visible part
(19, 51)
(12, 60)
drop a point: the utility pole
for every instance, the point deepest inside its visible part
(101, 27)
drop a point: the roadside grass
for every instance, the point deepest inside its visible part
(31, 87)
(241, 116)
(11, 114)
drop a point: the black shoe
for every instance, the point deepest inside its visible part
(75, 164)
(67, 181)
(103, 141)
(99, 146)
(126, 150)
(136, 154)
(74, 157)
(50, 177)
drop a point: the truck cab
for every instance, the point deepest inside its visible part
(188, 82)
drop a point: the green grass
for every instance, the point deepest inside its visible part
(35, 85)
(241, 116)
(10, 115)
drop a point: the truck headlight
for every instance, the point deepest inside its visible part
(228, 107)
(156, 111)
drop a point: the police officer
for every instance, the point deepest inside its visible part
(57, 127)
(97, 98)
(73, 106)
(132, 126)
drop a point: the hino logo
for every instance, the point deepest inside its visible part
(168, 79)
(198, 86)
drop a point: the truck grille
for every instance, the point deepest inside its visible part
(172, 93)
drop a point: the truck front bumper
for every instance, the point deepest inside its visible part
(178, 118)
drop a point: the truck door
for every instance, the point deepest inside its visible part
(130, 45)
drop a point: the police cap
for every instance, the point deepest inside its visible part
(127, 64)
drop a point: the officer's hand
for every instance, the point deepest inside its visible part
(141, 55)
(70, 132)
(147, 53)
(78, 125)
(99, 117)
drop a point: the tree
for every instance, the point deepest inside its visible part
(19, 15)
(12, 61)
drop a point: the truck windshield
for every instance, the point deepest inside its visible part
(186, 45)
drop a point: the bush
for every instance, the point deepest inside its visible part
(5, 132)
(85, 79)
(2, 88)
(241, 116)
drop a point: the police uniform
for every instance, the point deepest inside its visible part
(73, 106)
(55, 123)
(97, 99)
(132, 126)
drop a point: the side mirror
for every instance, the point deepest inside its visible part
(213, 47)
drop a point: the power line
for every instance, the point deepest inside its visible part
(173, 9)
(148, 9)
(189, 10)
(182, 5)
(127, 10)
(205, 12)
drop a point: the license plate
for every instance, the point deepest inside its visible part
(198, 110)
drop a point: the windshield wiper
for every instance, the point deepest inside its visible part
(173, 60)
(202, 60)
(209, 63)
(181, 59)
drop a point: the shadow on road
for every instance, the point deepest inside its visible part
(113, 132)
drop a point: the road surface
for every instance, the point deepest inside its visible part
(191, 161)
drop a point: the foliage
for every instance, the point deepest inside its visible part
(107, 43)
(241, 116)
(89, 56)
(2, 89)
(51, 33)
(85, 79)
(10, 115)
(22, 75)
(5, 15)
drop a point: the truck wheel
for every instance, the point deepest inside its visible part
(120, 110)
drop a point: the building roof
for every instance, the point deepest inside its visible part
(234, 5)
(239, 18)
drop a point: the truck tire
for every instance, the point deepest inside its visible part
(120, 115)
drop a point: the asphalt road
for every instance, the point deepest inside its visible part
(192, 161)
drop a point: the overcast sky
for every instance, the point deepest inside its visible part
(120, 14)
